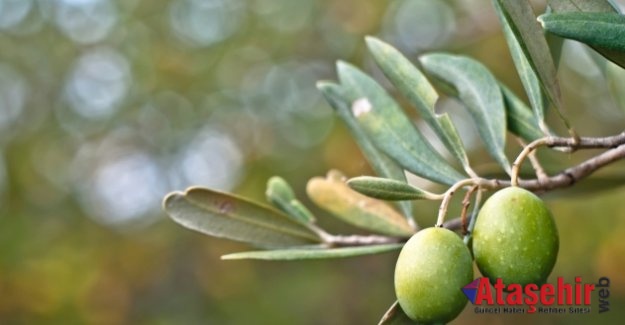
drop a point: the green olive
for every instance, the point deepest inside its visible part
(431, 270)
(515, 238)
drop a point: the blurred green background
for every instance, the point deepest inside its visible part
(107, 105)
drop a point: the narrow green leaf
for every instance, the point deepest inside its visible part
(603, 30)
(528, 77)
(415, 86)
(519, 16)
(555, 44)
(396, 316)
(281, 195)
(229, 216)
(312, 253)
(381, 164)
(390, 129)
(354, 208)
(561, 6)
(387, 189)
(299, 209)
(279, 191)
(519, 117)
(555, 47)
(478, 90)
(581, 5)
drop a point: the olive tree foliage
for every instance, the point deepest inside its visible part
(285, 229)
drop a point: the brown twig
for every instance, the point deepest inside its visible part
(538, 168)
(390, 313)
(569, 176)
(442, 210)
(586, 142)
(360, 240)
(466, 202)
(573, 143)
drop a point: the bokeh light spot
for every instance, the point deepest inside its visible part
(124, 189)
(13, 90)
(205, 22)
(86, 21)
(12, 12)
(418, 25)
(211, 159)
(98, 83)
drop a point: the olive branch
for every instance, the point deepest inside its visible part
(562, 179)
(389, 140)
(565, 178)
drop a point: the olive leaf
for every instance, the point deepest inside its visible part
(390, 129)
(479, 91)
(528, 77)
(519, 16)
(281, 195)
(519, 117)
(555, 47)
(356, 209)
(396, 316)
(387, 189)
(581, 5)
(415, 86)
(602, 30)
(381, 164)
(229, 216)
(311, 253)
(606, 6)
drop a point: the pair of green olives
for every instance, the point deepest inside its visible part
(515, 239)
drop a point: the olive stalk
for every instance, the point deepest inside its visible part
(442, 210)
(476, 209)
(543, 182)
(527, 150)
(565, 178)
(466, 203)
(613, 142)
(538, 168)
(331, 240)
